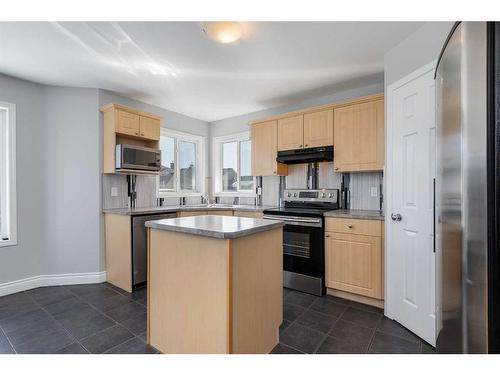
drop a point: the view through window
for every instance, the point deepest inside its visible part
(179, 163)
(233, 164)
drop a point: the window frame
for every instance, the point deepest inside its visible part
(8, 209)
(199, 142)
(217, 143)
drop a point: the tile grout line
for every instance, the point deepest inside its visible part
(369, 346)
(331, 328)
(306, 309)
(57, 323)
(107, 316)
(8, 340)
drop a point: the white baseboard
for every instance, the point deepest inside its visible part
(51, 280)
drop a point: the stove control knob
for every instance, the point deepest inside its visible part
(295, 195)
(289, 195)
(323, 195)
(330, 195)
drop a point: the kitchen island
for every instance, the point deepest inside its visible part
(215, 284)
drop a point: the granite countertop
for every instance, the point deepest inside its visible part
(166, 209)
(223, 227)
(356, 214)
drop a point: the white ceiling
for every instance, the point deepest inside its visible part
(175, 66)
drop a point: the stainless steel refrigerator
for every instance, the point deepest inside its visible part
(468, 190)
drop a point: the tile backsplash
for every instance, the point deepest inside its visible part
(365, 188)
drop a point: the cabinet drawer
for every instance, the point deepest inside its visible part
(354, 226)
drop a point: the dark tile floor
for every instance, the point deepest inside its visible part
(101, 318)
(97, 318)
(330, 325)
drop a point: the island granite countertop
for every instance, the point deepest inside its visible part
(223, 227)
(194, 207)
(356, 214)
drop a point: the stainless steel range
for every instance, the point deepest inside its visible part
(303, 237)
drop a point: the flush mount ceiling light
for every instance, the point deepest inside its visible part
(223, 32)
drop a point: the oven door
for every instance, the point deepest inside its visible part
(303, 246)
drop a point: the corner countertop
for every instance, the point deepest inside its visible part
(356, 214)
(216, 226)
(167, 209)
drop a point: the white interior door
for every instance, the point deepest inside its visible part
(411, 170)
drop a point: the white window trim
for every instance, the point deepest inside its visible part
(8, 161)
(200, 165)
(217, 164)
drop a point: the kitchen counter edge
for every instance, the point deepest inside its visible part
(356, 214)
(167, 209)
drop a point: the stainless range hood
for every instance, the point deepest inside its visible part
(306, 155)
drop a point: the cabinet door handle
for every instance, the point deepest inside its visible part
(136, 133)
(327, 235)
(305, 145)
(274, 172)
(336, 168)
(350, 226)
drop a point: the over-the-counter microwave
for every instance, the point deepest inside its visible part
(137, 158)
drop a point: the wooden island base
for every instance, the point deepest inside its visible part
(210, 295)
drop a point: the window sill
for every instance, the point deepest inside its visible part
(7, 243)
(235, 194)
(178, 195)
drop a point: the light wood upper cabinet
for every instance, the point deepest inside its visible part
(291, 133)
(359, 137)
(318, 129)
(354, 264)
(150, 128)
(127, 123)
(264, 150)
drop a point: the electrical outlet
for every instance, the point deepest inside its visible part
(114, 191)
(373, 192)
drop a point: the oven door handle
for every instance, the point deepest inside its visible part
(294, 220)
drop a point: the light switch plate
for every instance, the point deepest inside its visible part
(114, 191)
(374, 191)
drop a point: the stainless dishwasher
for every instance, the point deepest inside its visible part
(140, 247)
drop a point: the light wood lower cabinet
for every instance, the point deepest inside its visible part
(254, 215)
(191, 213)
(353, 262)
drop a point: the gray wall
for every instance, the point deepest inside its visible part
(58, 181)
(240, 123)
(420, 48)
(23, 260)
(71, 181)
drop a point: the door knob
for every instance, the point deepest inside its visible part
(396, 217)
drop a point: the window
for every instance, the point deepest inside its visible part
(181, 172)
(7, 175)
(232, 165)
